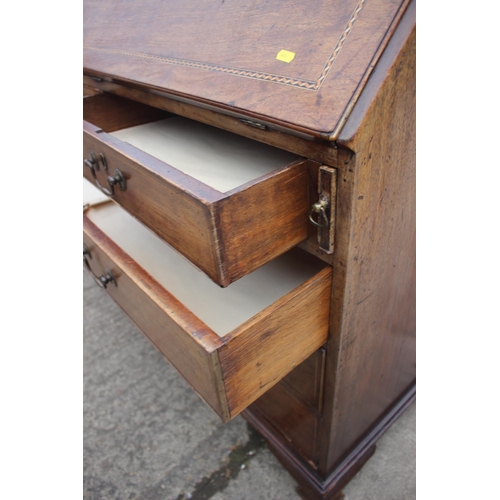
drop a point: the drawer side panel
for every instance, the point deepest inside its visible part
(265, 219)
(266, 348)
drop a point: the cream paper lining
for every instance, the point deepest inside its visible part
(222, 309)
(215, 157)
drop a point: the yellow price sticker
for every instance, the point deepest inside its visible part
(285, 56)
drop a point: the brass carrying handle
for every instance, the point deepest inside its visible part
(320, 207)
(101, 280)
(117, 179)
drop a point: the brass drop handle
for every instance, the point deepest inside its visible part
(118, 178)
(320, 207)
(101, 280)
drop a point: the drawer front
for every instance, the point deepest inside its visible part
(225, 234)
(160, 198)
(147, 303)
(231, 371)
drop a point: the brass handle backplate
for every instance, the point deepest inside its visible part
(104, 279)
(322, 213)
(117, 179)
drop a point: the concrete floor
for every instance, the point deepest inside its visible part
(148, 436)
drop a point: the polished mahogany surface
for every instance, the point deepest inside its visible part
(301, 63)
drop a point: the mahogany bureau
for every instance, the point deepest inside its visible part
(253, 209)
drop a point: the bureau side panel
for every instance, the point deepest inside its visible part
(373, 307)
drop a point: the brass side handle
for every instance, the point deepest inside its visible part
(320, 207)
(322, 213)
(117, 179)
(104, 279)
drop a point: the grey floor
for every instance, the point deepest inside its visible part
(148, 436)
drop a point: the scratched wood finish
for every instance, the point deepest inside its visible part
(173, 46)
(226, 235)
(372, 354)
(228, 372)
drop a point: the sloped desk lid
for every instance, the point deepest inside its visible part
(298, 63)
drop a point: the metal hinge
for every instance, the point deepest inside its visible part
(251, 123)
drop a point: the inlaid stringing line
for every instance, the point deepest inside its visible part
(255, 75)
(339, 45)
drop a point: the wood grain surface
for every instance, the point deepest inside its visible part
(295, 421)
(370, 358)
(174, 47)
(372, 352)
(312, 484)
(259, 221)
(188, 344)
(228, 372)
(307, 381)
(319, 150)
(266, 348)
(226, 235)
(172, 204)
(111, 112)
(294, 406)
(352, 82)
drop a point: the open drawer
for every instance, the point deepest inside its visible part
(228, 203)
(231, 344)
